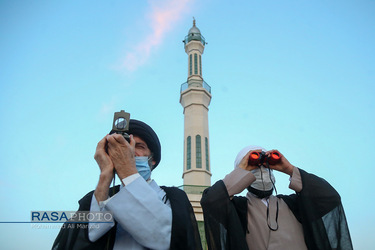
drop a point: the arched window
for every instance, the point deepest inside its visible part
(191, 64)
(198, 151)
(207, 161)
(188, 153)
(195, 64)
(200, 65)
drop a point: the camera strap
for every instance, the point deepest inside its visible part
(268, 204)
(113, 182)
(277, 215)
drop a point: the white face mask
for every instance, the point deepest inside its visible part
(265, 179)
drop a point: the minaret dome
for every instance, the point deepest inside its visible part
(194, 34)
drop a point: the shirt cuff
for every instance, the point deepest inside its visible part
(126, 181)
(130, 179)
(296, 181)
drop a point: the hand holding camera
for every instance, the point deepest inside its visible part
(115, 152)
(106, 148)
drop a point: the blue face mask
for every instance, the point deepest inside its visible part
(141, 163)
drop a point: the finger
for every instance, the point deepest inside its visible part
(269, 152)
(119, 138)
(282, 157)
(102, 143)
(110, 139)
(114, 139)
(101, 150)
(253, 161)
(245, 159)
(132, 141)
(111, 143)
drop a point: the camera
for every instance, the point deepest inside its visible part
(258, 158)
(121, 124)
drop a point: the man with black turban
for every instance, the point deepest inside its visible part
(145, 216)
(312, 218)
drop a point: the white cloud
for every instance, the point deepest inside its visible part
(106, 110)
(162, 19)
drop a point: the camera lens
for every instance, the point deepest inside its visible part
(121, 123)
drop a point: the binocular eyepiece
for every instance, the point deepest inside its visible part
(258, 158)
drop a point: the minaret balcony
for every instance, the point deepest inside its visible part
(193, 83)
(195, 37)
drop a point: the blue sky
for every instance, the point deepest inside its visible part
(297, 76)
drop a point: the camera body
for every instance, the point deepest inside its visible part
(259, 158)
(120, 124)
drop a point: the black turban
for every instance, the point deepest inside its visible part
(146, 133)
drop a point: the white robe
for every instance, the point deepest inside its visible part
(144, 218)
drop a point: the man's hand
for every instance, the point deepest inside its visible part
(106, 170)
(244, 164)
(283, 165)
(103, 160)
(122, 154)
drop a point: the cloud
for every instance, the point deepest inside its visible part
(162, 19)
(106, 110)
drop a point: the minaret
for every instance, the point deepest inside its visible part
(195, 99)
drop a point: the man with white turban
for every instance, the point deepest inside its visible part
(312, 218)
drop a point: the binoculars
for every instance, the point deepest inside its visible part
(258, 158)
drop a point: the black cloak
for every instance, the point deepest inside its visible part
(185, 234)
(317, 207)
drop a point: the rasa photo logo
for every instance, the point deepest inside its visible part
(71, 217)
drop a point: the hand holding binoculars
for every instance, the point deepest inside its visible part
(258, 158)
